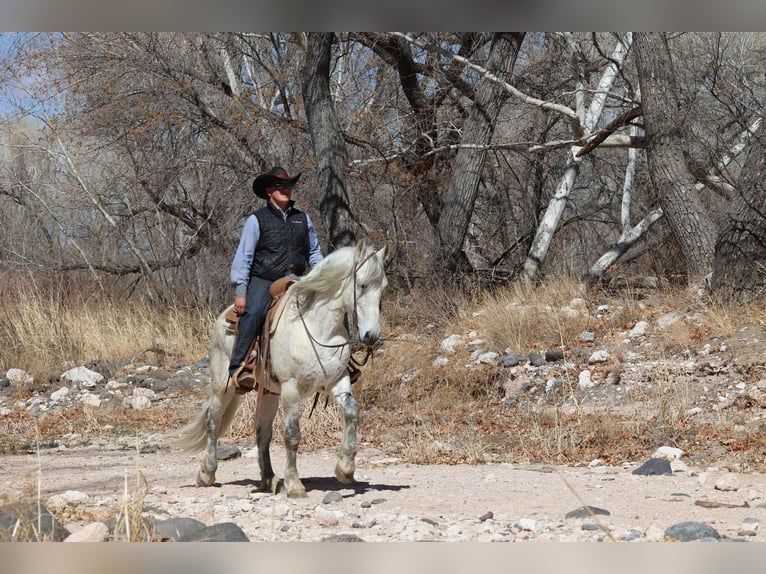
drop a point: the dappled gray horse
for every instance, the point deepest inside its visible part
(309, 352)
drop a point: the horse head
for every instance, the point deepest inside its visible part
(369, 283)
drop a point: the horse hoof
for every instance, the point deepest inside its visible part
(205, 478)
(344, 477)
(298, 491)
(268, 485)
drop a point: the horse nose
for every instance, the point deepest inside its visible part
(369, 337)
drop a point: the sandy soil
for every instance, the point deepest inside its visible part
(394, 500)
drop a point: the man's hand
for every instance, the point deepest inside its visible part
(239, 304)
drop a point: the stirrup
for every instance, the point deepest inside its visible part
(243, 381)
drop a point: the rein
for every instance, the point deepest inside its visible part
(354, 363)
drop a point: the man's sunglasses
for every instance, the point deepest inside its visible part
(282, 184)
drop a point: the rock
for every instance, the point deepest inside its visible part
(223, 532)
(727, 482)
(587, 337)
(93, 532)
(59, 394)
(19, 377)
(343, 537)
(511, 359)
(586, 512)
(654, 467)
(687, 531)
(600, 356)
(668, 453)
(140, 402)
(91, 400)
(26, 522)
(227, 452)
(552, 355)
(448, 345)
(488, 358)
(536, 360)
(70, 498)
(667, 320)
(486, 516)
(82, 375)
(326, 517)
(639, 330)
(332, 496)
(176, 528)
(440, 361)
(585, 381)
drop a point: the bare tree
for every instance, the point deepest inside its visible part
(664, 126)
(329, 146)
(459, 200)
(739, 270)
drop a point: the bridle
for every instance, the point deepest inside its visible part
(351, 327)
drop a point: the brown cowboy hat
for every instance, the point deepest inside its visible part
(264, 180)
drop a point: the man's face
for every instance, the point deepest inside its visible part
(280, 192)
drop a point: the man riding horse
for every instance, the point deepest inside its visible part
(277, 240)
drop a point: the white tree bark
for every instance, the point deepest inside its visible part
(552, 217)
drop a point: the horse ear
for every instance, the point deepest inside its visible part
(361, 247)
(383, 253)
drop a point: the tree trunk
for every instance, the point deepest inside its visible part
(739, 268)
(690, 224)
(460, 198)
(327, 138)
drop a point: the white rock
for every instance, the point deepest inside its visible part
(440, 361)
(679, 466)
(80, 375)
(93, 532)
(60, 394)
(448, 345)
(595, 462)
(727, 482)
(325, 517)
(19, 377)
(489, 358)
(143, 392)
(140, 402)
(600, 356)
(585, 381)
(115, 385)
(527, 524)
(91, 400)
(639, 329)
(68, 498)
(668, 453)
(667, 320)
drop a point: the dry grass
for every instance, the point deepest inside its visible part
(41, 333)
(419, 411)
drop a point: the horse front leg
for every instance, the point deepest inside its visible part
(341, 392)
(263, 433)
(291, 411)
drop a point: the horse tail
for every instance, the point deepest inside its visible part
(219, 410)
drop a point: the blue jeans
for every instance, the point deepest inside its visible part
(252, 320)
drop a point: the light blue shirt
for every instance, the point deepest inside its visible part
(248, 241)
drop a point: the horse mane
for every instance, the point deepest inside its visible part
(328, 277)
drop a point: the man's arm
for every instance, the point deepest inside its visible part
(243, 258)
(315, 251)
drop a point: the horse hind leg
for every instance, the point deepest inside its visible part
(346, 465)
(209, 462)
(263, 434)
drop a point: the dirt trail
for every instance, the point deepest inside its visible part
(394, 500)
